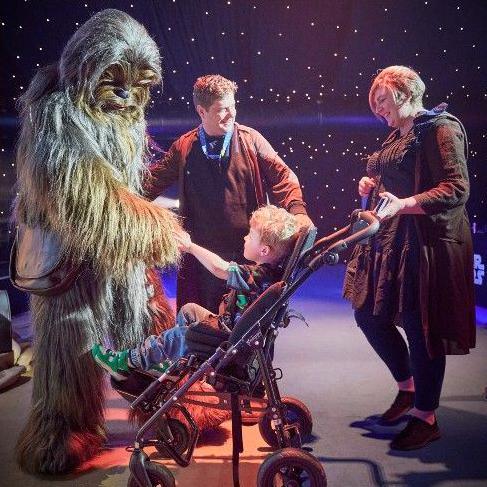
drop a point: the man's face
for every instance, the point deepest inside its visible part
(220, 116)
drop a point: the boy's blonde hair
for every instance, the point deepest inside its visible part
(404, 82)
(207, 89)
(277, 229)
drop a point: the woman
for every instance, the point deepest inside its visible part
(417, 271)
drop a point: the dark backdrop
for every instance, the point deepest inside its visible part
(303, 69)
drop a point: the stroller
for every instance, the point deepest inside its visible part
(239, 367)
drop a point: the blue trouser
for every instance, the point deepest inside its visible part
(402, 362)
(170, 344)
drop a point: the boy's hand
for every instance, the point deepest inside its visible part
(184, 241)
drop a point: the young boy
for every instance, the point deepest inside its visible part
(270, 239)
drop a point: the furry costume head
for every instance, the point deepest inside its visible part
(82, 145)
(109, 64)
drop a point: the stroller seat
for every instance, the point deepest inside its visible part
(202, 340)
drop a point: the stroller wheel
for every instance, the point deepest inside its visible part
(180, 437)
(296, 412)
(158, 474)
(291, 467)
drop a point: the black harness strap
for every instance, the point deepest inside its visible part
(237, 441)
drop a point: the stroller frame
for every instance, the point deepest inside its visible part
(254, 334)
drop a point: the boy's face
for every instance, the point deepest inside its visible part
(254, 249)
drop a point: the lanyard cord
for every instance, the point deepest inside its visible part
(226, 143)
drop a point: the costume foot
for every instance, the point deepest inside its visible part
(403, 402)
(115, 363)
(54, 451)
(416, 434)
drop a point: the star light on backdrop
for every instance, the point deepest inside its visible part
(303, 68)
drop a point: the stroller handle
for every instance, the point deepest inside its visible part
(372, 225)
(368, 224)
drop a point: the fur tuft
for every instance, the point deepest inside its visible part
(205, 417)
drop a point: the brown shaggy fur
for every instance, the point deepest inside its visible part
(81, 168)
(205, 417)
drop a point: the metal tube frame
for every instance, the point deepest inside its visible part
(312, 260)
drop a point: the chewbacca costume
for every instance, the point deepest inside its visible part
(80, 173)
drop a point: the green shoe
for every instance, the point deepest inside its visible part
(113, 362)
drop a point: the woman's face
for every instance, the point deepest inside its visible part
(395, 113)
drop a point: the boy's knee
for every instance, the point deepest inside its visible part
(186, 314)
(191, 313)
(188, 308)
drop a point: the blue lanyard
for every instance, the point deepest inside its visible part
(226, 143)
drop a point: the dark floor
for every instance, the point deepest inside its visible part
(330, 367)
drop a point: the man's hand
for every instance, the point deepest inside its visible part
(365, 185)
(304, 220)
(184, 241)
(168, 203)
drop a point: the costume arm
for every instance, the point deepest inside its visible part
(102, 220)
(282, 181)
(445, 158)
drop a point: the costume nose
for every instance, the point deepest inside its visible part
(121, 93)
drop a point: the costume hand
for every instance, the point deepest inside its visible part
(184, 241)
(365, 185)
(304, 220)
(394, 206)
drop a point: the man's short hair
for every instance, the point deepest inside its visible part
(277, 229)
(207, 89)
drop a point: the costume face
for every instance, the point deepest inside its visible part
(123, 91)
(220, 116)
(254, 249)
(395, 113)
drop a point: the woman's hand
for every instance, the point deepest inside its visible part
(184, 241)
(404, 206)
(365, 185)
(393, 207)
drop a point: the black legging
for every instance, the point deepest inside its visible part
(392, 349)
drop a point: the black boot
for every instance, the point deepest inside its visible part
(403, 402)
(416, 434)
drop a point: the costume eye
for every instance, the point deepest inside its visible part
(106, 82)
(146, 77)
(144, 82)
